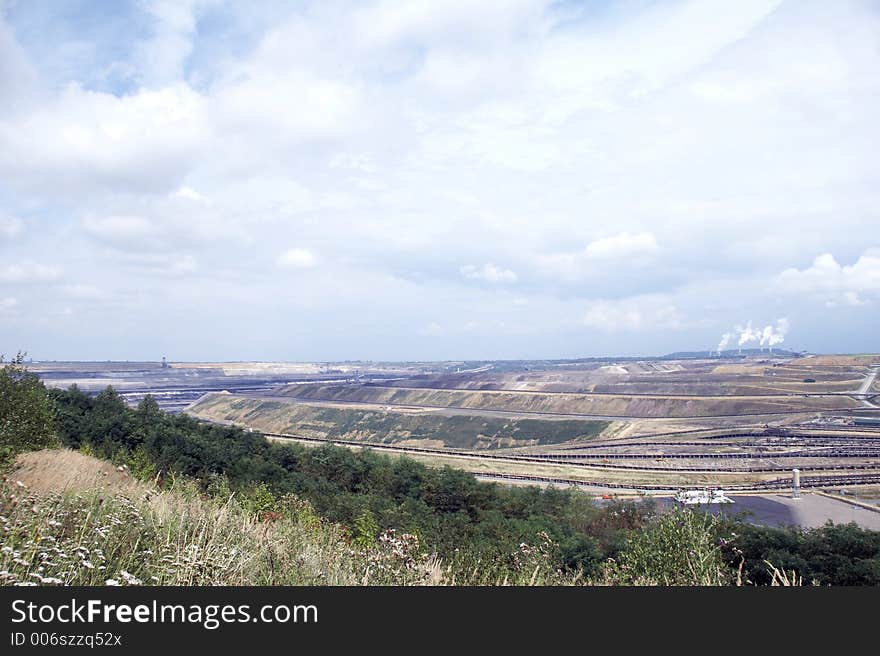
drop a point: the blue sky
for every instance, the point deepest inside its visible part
(421, 180)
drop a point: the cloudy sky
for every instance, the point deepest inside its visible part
(436, 180)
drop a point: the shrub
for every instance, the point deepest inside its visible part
(682, 547)
(27, 415)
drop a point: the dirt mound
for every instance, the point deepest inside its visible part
(63, 470)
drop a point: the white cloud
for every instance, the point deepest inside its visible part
(640, 314)
(283, 107)
(488, 272)
(189, 194)
(28, 273)
(182, 265)
(83, 139)
(684, 152)
(8, 305)
(610, 260)
(161, 58)
(433, 329)
(834, 283)
(297, 258)
(389, 22)
(83, 292)
(852, 298)
(10, 226)
(124, 232)
(17, 76)
(162, 265)
(622, 245)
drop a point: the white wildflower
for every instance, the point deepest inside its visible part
(130, 579)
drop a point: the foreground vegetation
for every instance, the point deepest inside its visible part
(220, 505)
(446, 508)
(141, 534)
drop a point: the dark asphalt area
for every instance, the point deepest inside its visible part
(811, 510)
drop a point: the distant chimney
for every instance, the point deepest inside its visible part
(164, 363)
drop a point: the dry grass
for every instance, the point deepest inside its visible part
(85, 523)
(63, 470)
(781, 577)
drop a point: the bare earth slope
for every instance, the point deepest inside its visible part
(565, 403)
(399, 427)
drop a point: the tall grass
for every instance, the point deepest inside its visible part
(82, 521)
(678, 548)
(178, 536)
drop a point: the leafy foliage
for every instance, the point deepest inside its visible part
(26, 413)
(681, 547)
(835, 554)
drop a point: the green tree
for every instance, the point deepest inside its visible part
(681, 547)
(365, 529)
(258, 500)
(73, 409)
(141, 464)
(111, 423)
(148, 411)
(27, 414)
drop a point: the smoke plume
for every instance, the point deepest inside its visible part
(769, 336)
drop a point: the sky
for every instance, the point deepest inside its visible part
(516, 179)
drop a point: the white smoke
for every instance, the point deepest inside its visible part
(725, 340)
(747, 335)
(769, 336)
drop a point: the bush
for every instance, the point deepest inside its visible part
(682, 547)
(27, 415)
(834, 554)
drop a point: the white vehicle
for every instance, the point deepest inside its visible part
(697, 497)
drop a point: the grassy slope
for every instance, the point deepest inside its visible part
(393, 427)
(628, 406)
(71, 519)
